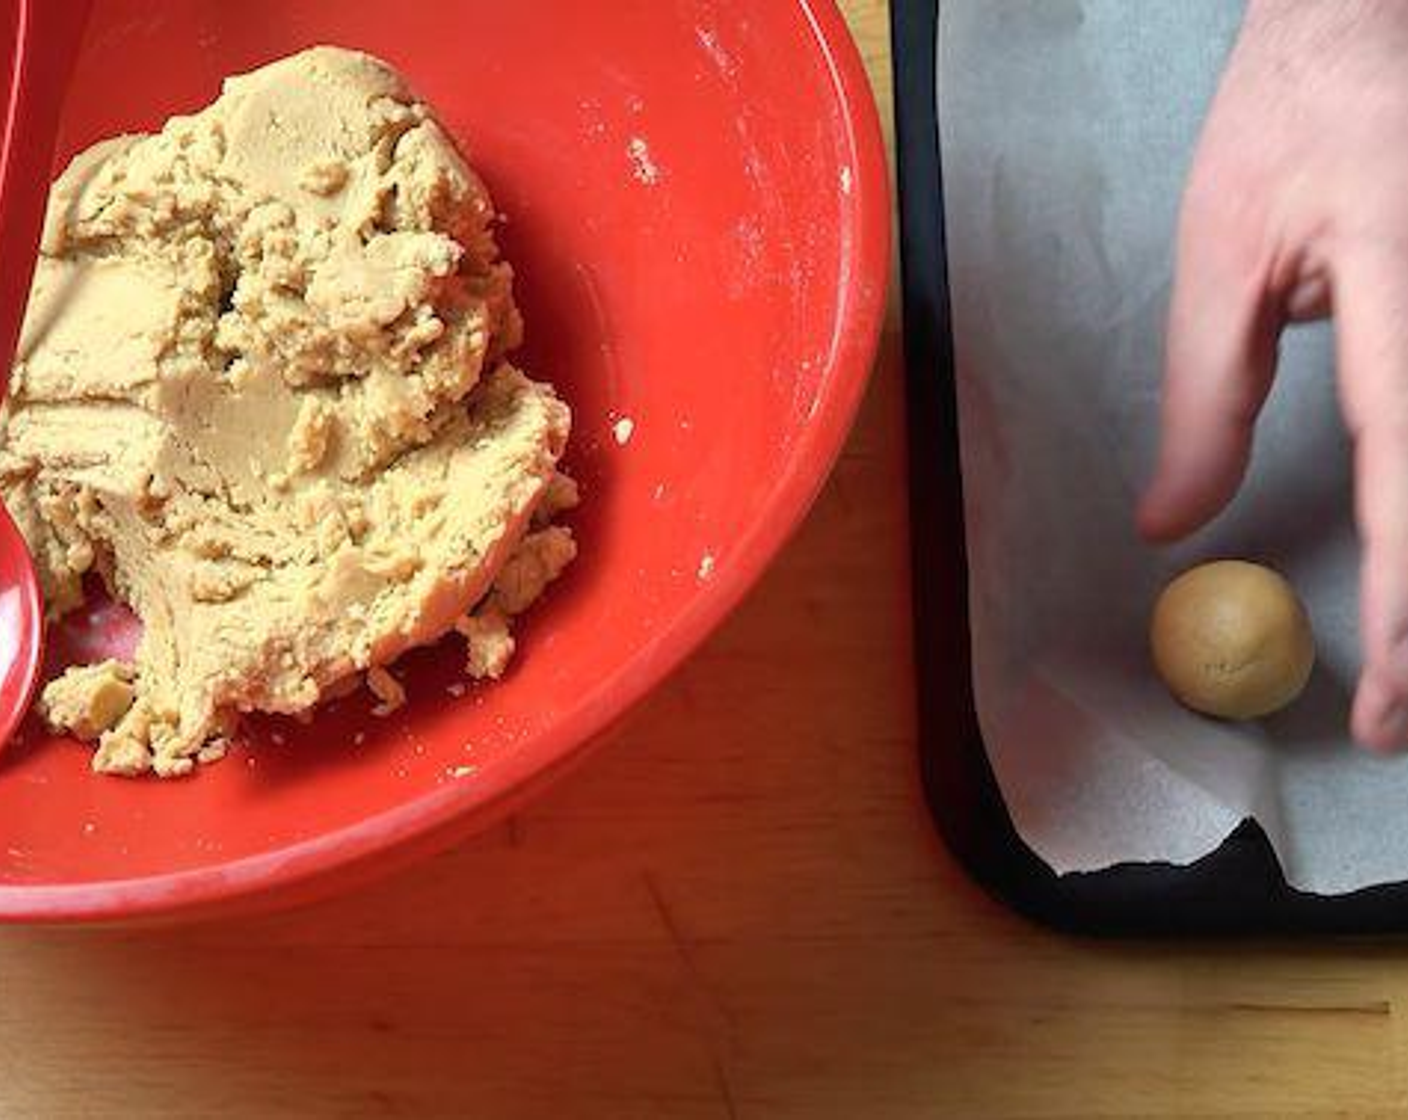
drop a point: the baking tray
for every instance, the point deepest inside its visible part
(1237, 889)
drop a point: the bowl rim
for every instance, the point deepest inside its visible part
(380, 843)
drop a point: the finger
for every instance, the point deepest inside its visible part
(1220, 357)
(1371, 301)
(1379, 720)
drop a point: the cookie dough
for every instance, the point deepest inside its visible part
(1232, 640)
(262, 393)
(537, 562)
(89, 699)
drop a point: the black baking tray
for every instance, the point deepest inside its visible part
(1237, 889)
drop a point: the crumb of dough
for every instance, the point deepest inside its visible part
(387, 689)
(213, 751)
(540, 558)
(262, 393)
(88, 699)
(562, 494)
(325, 177)
(311, 435)
(488, 642)
(123, 748)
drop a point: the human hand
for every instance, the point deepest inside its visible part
(1297, 205)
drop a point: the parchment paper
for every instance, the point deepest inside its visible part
(1067, 128)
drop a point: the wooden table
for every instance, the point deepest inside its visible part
(738, 909)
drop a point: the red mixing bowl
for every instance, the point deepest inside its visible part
(698, 212)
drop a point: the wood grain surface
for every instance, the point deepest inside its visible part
(737, 909)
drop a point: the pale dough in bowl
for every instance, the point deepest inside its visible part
(262, 392)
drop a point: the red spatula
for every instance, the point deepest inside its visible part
(47, 35)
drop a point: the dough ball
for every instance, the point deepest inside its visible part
(1232, 640)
